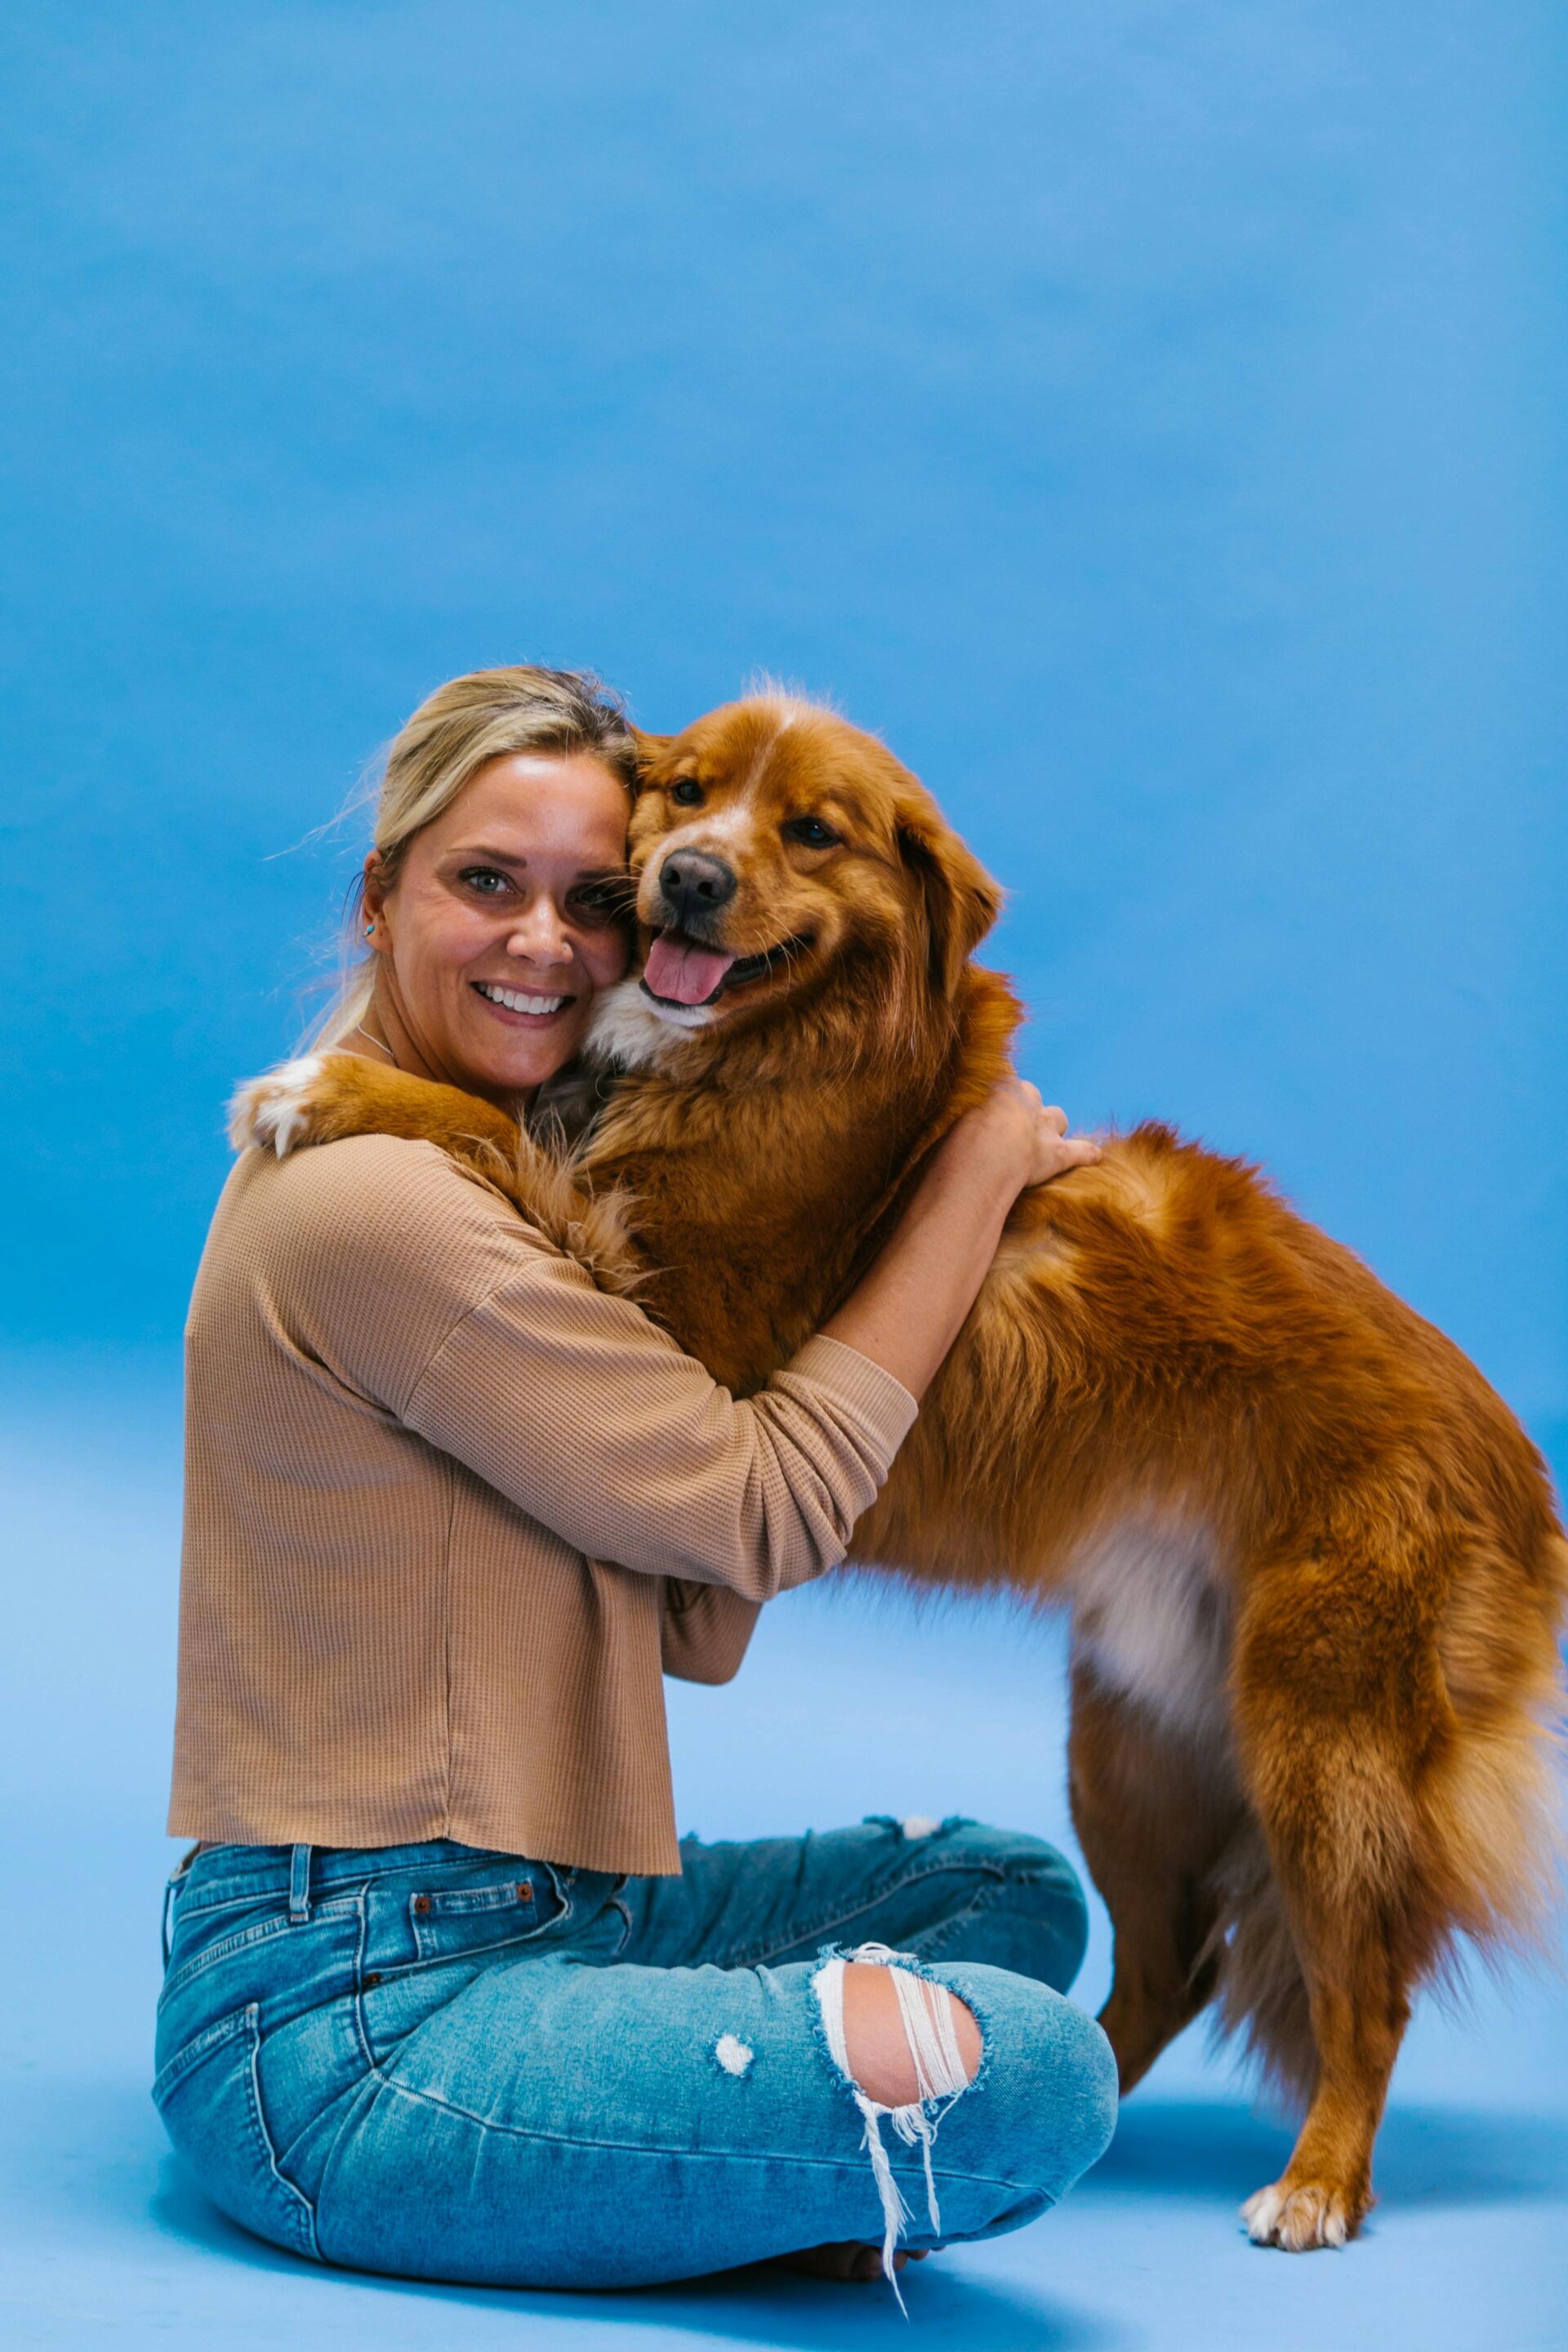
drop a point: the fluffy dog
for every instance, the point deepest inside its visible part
(1314, 1569)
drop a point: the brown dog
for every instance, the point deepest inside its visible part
(1315, 1573)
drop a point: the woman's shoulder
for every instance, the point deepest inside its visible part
(364, 1256)
(371, 1204)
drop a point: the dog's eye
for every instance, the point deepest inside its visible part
(688, 792)
(810, 831)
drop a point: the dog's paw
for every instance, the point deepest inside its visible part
(1297, 2218)
(274, 1111)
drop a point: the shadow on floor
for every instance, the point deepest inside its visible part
(756, 2305)
(94, 2170)
(1439, 2156)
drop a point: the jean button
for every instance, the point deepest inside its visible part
(525, 1890)
(421, 1904)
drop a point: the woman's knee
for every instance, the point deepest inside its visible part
(1050, 2071)
(892, 2021)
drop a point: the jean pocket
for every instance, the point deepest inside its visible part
(209, 2095)
(460, 1922)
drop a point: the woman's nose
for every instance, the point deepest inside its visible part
(540, 935)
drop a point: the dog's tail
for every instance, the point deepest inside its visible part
(1494, 1800)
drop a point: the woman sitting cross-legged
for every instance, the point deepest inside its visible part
(445, 1997)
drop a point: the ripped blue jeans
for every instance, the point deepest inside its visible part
(446, 2064)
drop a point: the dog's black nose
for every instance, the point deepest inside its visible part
(693, 884)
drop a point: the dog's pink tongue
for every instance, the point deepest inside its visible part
(678, 968)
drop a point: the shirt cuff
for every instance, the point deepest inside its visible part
(880, 1404)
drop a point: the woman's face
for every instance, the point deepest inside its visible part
(499, 927)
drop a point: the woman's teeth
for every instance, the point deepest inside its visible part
(517, 1002)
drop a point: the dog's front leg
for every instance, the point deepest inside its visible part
(326, 1098)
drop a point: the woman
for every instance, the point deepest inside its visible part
(443, 1996)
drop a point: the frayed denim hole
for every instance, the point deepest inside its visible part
(910, 2121)
(916, 1968)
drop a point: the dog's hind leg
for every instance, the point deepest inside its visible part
(1332, 1736)
(1153, 1818)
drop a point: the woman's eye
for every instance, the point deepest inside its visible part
(688, 793)
(488, 880)
(600, 902)
(810, 831)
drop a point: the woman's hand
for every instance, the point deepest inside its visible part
(1012, 1128)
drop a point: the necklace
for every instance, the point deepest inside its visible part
(359, 1030)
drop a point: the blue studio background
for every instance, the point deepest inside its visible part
(1149, 417)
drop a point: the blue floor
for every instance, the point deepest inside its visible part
(849, 1705)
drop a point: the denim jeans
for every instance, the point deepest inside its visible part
(447, 2063)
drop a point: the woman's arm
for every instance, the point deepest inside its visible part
(910, 1307)
(705, 1631)
(420, 1291)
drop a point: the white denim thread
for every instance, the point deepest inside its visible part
(926, 2012)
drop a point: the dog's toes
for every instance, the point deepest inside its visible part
(271, 1110)
(1259, 2214)
(1297, 2218)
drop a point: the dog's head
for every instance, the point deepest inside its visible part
(777, 850)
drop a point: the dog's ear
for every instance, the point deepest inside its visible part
(960, 900)
(649, 748)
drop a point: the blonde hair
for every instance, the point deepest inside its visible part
(468, 720)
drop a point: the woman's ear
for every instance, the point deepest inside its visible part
(960, 900)
(372, 900)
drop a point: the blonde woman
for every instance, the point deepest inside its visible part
(445, 1997)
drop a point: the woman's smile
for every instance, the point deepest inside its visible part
(513, 1006)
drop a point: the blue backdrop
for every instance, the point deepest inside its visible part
(1148, 417)
(1148, 414)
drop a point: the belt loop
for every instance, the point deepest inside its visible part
(299, 1886)
(172, 1889)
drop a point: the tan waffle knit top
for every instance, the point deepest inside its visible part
(417, 1440)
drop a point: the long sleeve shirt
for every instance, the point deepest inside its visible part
(451, 1510)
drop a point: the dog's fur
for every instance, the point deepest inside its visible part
(1316, 1577)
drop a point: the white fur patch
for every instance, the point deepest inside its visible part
(919, 1825)
(627, 1027)
(1152, 1617)
(270, 1110)
(732, 823)
(732, 2054)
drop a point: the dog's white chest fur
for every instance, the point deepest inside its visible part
(1152, 1618)
(629, 1032)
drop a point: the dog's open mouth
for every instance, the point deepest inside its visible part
(683, 970)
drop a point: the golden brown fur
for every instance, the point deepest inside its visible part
(1316, 1574)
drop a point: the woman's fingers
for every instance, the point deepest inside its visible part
(1055, 1151)
(1014, 1127)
